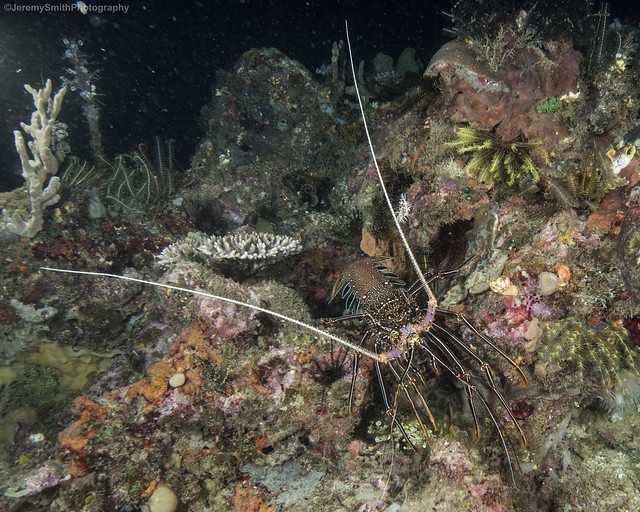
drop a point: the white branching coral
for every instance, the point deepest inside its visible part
(239, 254)
(404, 209)
(182, 250)
(46, 155)
(251, 246)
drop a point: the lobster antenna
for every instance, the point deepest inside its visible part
(433, 302)
(382, 358)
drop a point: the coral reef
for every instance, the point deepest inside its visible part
(609, 76)
(506, 99)
(256, 393)
(250, 167)
(628, 250)
(119, 396)
(457, 483)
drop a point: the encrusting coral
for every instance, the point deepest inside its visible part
(495, 160)
(505, 99)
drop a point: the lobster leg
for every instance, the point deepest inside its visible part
(486, 370)
(331, 321)
(424, 401)
(461, 374)
(354, 374)
(391, 411)
(463, 319)
(496, 423)
(471, 391)
(417, 286)
(353, 382)
(406, 375)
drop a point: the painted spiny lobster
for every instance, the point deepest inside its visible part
(398, 328)
(400, 331)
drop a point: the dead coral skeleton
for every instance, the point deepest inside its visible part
(40, 159)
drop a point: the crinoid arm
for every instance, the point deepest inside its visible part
(494, 160)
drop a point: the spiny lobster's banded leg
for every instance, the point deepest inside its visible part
(416, 287)
(331, 321)
(472, 391)
(401, 385)
(391, 411)
(485, 368)
(451, 362)
(461, 374)
(455, 367)
(461, 318)
(354, 375)
(408, 373)
(352, 387)
(424, 401)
